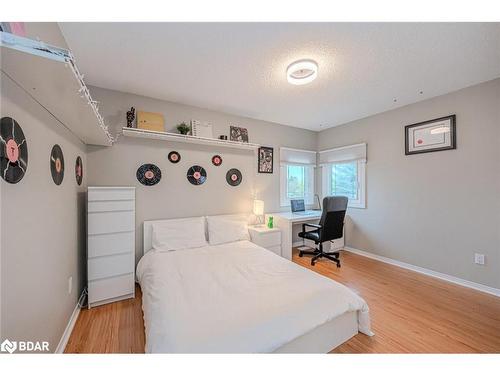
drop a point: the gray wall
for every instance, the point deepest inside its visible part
(42, 225)
(174, 196)
(432, 210)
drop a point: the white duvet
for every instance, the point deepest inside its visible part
(235, 297)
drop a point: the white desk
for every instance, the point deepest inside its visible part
(285, 221)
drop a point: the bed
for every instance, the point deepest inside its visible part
(237, 297)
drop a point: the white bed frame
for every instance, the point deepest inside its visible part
(322, 339)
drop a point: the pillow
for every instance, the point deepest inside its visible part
(223, 229)
(178, 234)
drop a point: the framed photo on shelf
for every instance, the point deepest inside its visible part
(238, 134)
(265, 160)
(432, 135)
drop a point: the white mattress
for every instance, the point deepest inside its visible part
(235, 297)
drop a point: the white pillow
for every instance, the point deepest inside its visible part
(223, 229)
(178, 234)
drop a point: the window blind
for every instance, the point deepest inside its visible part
(296, 156)
(343, 154)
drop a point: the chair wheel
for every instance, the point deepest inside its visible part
(300, 254)
(338, 265)
(312, 263)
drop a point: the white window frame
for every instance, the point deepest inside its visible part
(361, 182)
(309, 180)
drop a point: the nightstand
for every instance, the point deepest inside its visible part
(268, 238)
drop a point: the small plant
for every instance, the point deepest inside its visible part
(183, 128)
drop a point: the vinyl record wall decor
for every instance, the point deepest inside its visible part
(57, 164)
(234, 177)
(174, 157)
(79, 170)
(148, 174)
(197, 175)
(13, 151)
(216, 160)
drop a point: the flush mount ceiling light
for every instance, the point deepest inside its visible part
(302, 72)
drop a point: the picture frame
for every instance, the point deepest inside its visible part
(266, 159)
(238, 134)
(429, 136)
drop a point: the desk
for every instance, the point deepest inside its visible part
(285, 221)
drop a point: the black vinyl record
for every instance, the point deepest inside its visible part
(174, 157)
(57, 164)
(234, 177)
(148, 174)
(196, 175)
(13, 151)
(79, 170)
(216, 160)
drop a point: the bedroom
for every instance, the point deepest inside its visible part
(212, 187)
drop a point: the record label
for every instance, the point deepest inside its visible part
(57, 164)
(216, 160)
(13, 151)
(174, 157)
(234, 177)
(148, 174)
(196, 175)
(79, 170)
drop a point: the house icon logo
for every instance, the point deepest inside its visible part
(8, 346)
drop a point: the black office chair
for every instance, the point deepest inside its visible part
(330, 227)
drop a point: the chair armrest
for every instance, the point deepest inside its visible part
(317, 226)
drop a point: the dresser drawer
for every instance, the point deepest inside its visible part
(104, 206)
(109, 244)
(100, 290)
(267, 239)
(103, 194)
(110, 222)
(102, 267)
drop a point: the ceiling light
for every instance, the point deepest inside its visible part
(302, 72)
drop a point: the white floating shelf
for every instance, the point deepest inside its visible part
(174, 137)
(50, 76)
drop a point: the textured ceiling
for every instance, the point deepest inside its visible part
(239, 68)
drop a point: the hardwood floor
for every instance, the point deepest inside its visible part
(411, 313)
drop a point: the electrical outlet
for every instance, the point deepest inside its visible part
(70, 284)
(479, 258)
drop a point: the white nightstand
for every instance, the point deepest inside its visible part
(268, 238)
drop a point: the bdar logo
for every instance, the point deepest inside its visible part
(8, 346)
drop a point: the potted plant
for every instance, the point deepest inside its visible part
(183, 128)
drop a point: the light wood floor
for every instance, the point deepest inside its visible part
(411, 313)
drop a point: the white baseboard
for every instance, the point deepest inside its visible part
(69, 327)
(425, 271)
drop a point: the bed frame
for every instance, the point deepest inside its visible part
(322, 339)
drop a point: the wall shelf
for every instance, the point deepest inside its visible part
(50, 76)
(174, 137)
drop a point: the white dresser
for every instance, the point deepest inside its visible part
(110, 244)
(268, 238)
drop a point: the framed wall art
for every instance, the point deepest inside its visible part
(238, 134)
(265, 160)
(429, 136)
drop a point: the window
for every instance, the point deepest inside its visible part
(343, 171)
(296, 175)
(297, 182)
(347, 179)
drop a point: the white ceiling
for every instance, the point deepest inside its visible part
(239, 68)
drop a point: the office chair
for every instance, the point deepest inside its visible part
(330, 227)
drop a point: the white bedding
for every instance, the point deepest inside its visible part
(235, 297)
